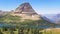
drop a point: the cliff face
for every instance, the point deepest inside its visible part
(26, 12)
(25, 8)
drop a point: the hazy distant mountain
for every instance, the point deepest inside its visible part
(50, 17)
(45, 18)
(55, 18)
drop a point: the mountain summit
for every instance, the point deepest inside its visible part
(25, 8)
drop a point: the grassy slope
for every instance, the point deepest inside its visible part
(51, 31)
(9, 19)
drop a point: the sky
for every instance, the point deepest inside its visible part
(40, 6)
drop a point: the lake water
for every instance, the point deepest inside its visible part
(1, 25)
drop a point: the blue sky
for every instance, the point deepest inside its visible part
(40, 6)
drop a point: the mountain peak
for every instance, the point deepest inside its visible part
(26, 3)
(25, 8)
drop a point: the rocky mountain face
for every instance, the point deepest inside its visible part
(25, 8)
